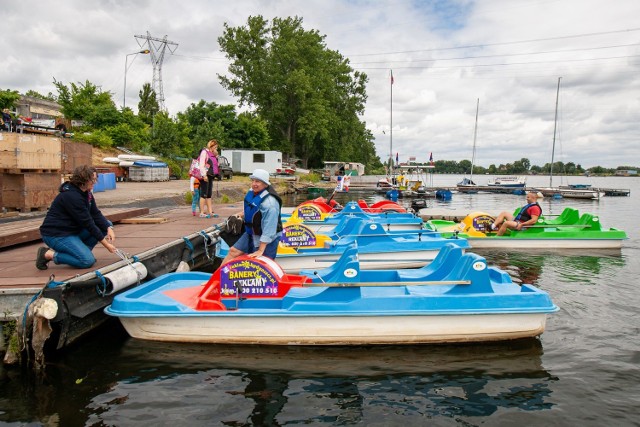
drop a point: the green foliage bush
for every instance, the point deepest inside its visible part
(311, 177)
(97, 138)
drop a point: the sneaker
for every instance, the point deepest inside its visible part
(215, 215)
(204, 216)
(41, 261)
(193, 213)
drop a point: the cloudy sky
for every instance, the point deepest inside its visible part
(445, 55)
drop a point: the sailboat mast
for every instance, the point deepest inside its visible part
(475, 134)
(555, 124)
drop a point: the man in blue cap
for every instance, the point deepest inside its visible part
(263, 225)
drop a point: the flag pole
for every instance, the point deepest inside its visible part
(391, 127)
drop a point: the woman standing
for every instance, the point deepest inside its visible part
(74, 224)
(209, 168)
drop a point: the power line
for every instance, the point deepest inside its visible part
(502, 64)
(500, 44)
(501, 55)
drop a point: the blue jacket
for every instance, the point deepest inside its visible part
(72, 211)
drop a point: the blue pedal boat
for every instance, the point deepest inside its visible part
(324, 223)
(458, 298)
(378, 248)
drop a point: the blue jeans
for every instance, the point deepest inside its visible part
(73, 250)
(195, 200)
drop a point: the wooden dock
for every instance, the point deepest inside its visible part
(23, 231)
(20, 279)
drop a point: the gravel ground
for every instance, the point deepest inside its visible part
(165, 194)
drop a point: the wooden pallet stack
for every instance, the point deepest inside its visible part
(31, 168)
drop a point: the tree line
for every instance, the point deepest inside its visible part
(522, 167)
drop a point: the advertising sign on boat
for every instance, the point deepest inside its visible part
(251, 278)
(309, 212)
(296, 235)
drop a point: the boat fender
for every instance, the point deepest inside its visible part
(45, 307)
(124, 277)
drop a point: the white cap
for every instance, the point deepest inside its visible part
(260, 175)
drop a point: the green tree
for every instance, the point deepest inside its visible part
(170, 138)
(465, 165)
(309, 95)
(49, 97)
(148, 105)
(212, 121)
(570, 168)
(518, 167)
(8, 99)
(87, 102)
(535, 169)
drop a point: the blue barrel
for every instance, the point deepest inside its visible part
(109, 181)
(443, 194)
(392, 195)
(99, 185)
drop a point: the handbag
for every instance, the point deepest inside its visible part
(194, 169)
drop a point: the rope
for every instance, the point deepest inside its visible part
(102, 292)
(189, 245)
(207, 239)
(125, 257)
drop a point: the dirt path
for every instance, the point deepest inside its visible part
(166, 192)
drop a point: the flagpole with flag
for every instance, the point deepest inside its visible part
(391, 125)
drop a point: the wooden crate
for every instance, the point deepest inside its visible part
(75, 154)
(20, 151)
(28, 191)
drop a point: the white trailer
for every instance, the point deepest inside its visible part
(246, 161)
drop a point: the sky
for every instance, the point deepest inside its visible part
(447, 57)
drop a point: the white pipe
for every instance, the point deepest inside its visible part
(125, 276)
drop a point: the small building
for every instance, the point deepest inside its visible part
(246, 161)
(38, 109)
(626, 172)
(332, 168)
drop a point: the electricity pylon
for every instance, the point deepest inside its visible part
(158, 47)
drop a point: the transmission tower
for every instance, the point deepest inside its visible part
(157, 48)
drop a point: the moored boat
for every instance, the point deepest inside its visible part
(508, 182)
(378, 248)
(321, 216)
(569, 193)
(252, 301)
(570, 230)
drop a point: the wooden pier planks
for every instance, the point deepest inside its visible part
(17, 232)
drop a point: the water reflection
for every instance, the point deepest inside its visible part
(570, 266)
(120, 381)
(126, 381)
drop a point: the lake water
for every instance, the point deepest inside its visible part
(584, 370)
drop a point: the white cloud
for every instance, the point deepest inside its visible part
(444, 56)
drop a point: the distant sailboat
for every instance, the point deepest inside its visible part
(560, 192)
(467, 185)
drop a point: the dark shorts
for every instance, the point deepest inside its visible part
(206, 188)
(245, 244)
